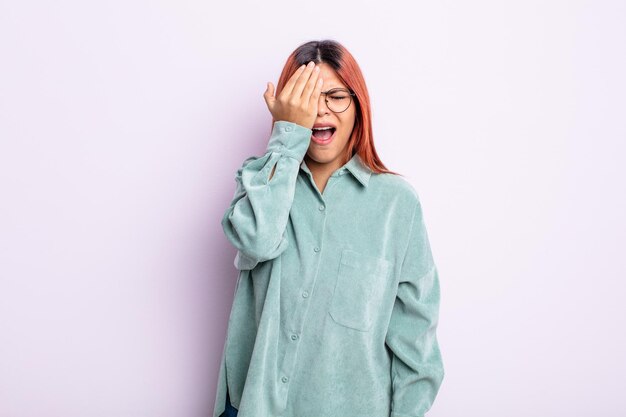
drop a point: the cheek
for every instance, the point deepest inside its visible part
(346, 129)
(343, 138)
(346, 122)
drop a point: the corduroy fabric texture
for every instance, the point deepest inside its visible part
(337, 297)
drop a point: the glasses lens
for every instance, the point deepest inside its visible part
(338, 100)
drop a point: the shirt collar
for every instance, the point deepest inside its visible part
(355, 166)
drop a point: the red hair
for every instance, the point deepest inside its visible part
(334, 54)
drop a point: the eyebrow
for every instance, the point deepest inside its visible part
(335, 88)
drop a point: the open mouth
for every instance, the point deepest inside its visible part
(323, 136)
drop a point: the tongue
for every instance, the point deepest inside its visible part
(323, 134)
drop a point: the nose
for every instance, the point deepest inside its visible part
(322, 108)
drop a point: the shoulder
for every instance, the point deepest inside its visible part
(395, 188)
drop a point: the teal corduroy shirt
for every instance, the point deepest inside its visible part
(336, 304)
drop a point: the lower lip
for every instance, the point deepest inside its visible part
(324, 142)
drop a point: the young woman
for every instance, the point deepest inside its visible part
(337, 299)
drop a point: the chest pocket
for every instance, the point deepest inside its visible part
(359, 288)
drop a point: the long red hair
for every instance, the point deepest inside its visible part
(341, 60)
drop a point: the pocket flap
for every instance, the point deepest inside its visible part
(358, 260)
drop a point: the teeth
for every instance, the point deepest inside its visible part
(322, 128)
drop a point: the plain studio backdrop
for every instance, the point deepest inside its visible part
(122, 124)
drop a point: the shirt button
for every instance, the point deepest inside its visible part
(294, 337)
(316, 249)
(284, 379)
(305, 294)
(287, 128)
(321, 208)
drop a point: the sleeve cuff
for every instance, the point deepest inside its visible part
(290, 139)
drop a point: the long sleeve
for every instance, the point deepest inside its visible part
(256, 219)
(416, 368)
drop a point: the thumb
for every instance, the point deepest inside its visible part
(269, 93)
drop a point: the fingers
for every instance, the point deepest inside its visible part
(315, 97)
(310, 85)
(303, 79)
(292, 81)
(298, 100)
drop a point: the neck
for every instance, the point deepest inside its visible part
(322, 171)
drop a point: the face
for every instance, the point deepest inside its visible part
(329, 154)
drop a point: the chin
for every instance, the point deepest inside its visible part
(325, 154)
(322, 157)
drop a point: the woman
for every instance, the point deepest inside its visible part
(337, 299)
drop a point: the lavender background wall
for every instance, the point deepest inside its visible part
(122, 124)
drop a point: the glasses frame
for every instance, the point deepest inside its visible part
(333, 90)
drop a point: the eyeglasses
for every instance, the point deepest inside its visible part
(338, 99)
